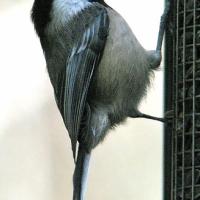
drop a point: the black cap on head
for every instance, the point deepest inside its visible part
(41, 15)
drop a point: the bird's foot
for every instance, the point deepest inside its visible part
(169, 116)
(142, 115)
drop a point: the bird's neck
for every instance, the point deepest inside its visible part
(44, 11)
(64, 10)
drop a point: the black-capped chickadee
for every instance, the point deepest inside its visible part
(98, 69)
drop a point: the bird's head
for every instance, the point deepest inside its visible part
(40, 14)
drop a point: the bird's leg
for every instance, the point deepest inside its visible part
(167, 119)
(163, 22)
(169, 115)
(142, 115)
(155, 55)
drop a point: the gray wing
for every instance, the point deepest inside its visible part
(74, 81)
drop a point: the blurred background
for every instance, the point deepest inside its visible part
(35, 153)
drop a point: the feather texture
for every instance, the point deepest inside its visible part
(73, 81)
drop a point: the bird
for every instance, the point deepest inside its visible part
(98, 69)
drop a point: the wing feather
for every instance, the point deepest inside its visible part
(75, 80)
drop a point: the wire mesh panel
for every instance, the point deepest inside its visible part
(182, 136)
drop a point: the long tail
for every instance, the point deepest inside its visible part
(81, 174)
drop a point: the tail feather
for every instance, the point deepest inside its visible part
(81, 174)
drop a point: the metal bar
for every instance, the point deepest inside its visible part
(173, 100)
(189, 10)
(194, 99)
(176, 105)
(183, 103)
(189, 27)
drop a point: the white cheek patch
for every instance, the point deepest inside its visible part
(63, 10)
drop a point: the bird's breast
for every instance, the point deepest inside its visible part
(124, 69)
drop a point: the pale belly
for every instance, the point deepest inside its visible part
(123, 75)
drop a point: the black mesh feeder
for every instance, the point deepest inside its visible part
(182, 100)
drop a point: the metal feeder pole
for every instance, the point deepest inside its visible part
(182, 97)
